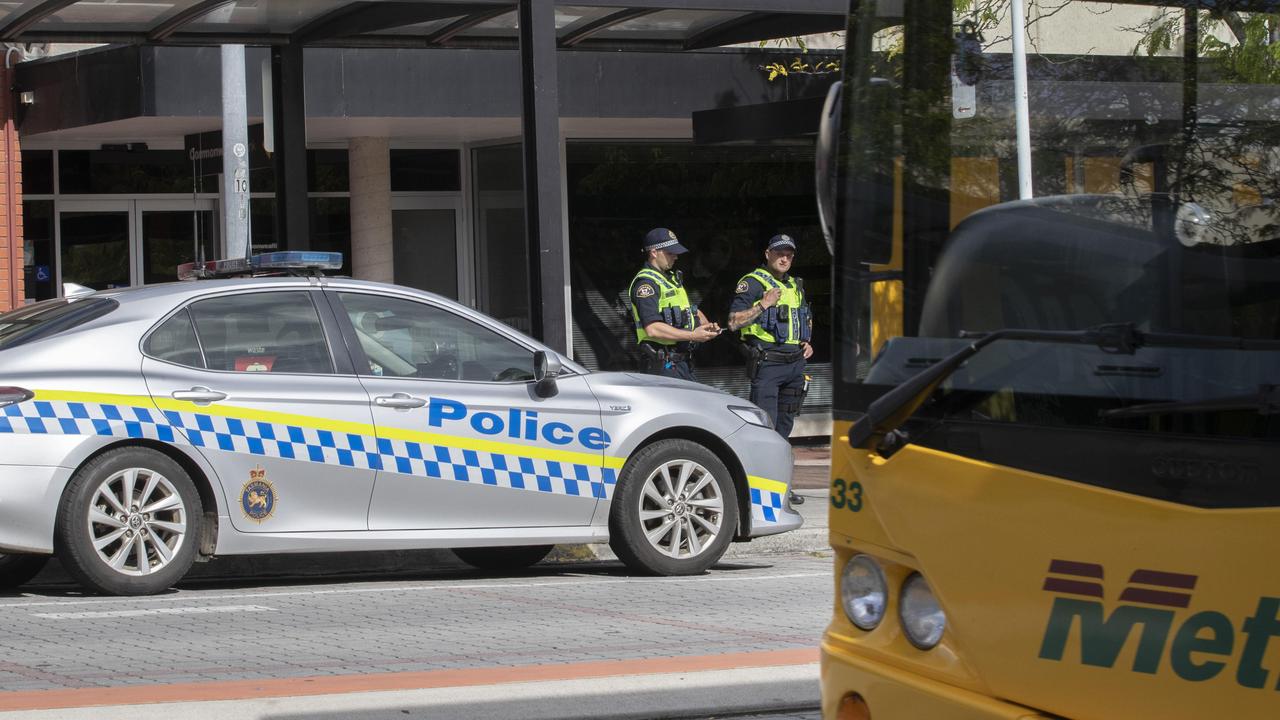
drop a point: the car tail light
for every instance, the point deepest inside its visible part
(14, 395)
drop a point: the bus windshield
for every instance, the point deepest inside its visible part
(1154, 169)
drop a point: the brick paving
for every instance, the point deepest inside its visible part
(52, 638)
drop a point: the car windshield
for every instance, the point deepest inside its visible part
(50, 317)
(1151, 203)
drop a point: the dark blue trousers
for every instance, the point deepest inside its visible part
(778, 389)
(681, 370)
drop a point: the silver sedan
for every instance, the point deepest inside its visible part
(143, 428)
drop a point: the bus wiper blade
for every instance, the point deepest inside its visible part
(893, 408)
(1266, 402)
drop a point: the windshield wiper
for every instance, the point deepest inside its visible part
(1266, 402)
(893, 408)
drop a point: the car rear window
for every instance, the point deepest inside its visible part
(50, 317)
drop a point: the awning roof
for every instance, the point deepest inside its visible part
(596, 24)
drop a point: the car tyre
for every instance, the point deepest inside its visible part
(674, 511)
(129, 522)
(499, 559)
(17, 570)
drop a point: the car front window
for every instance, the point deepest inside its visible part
(402, 338)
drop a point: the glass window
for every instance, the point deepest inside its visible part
(502, 249)
(723, 202)
(327, 171)
(330, 222)
(37, 172)
(262, 332)
(44, 319)
(403, 338)
(125, 171)
(175, 341)
(426, 170)
(39, 262)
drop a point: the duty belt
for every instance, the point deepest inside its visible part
(781, 356)
(665, 353)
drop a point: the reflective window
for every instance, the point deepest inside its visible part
(426, 170)
(175, 341)
(262, 332)
(37, 172)
(49, 318)
(129, 171)
(403, 338)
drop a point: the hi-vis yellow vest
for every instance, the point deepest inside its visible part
(673, 303)
(787, 321)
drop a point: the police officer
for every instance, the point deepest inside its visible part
(667, 324)
(770, 311)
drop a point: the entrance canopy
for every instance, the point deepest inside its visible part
(537, 29)
(594, 24)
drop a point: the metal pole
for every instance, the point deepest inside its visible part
(543, 182)
(1020, 103)
(235, 153)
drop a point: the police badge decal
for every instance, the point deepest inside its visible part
(645, 290)
(258, 496)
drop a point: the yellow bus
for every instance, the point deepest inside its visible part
(1056, 452)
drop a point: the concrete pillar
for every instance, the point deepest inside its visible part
(11, 265)
(369, 162)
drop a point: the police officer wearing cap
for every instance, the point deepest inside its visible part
(667, 324)
(772, 315)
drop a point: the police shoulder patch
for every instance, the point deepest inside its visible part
(644, 290)
(742, 287)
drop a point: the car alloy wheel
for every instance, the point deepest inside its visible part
(137, 521)
(681, 509)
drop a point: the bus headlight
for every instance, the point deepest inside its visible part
(922, 616)
(863, 592)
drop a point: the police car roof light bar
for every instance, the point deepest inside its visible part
(286, 262)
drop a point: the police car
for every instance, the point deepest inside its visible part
(146, 428)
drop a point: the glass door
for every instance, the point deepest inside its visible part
(116, 243)
(427, 235)
(94, 240)
(170, 233)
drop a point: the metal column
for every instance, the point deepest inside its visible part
(290, 161)
(235, 153)
(544, 226)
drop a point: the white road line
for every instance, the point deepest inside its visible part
(93, 615)
(437, 586)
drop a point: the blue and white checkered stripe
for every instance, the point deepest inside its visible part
(73, 418)
(309, 444)
(766, 506)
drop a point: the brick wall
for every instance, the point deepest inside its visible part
(11, 267)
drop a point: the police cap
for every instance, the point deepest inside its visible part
(780, 242)
(663, 239)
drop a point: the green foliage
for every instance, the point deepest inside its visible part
(1251, 57)
(799, 66)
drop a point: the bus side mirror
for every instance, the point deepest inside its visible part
(825, 164)
(546, 367)
(866, 175)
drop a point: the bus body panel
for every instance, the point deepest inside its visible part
(1071, 599)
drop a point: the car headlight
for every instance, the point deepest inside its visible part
(863, 592)
(923, 619)
(14, 395)
(753, 415)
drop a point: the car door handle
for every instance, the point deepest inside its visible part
(400, 401)
(199, 395)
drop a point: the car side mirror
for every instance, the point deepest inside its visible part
(546, 367)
